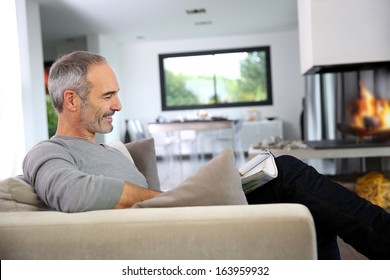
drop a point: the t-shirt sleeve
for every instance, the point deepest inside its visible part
(62, 186)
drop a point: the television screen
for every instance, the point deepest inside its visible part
(218, 78)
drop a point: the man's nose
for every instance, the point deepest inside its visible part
(117, 106)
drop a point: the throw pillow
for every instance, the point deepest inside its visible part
(144, 155)
(17, 195)
(216, 183)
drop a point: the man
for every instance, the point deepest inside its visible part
(84, 91)
(71, 172)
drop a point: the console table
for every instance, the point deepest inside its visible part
(196, 125)
(190, 125)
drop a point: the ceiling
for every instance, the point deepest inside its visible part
(150, 20)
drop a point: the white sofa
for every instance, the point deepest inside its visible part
(161, 229)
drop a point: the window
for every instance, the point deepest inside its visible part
(213, 79)
(52, 116)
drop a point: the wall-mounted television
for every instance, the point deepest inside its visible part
(216, 78)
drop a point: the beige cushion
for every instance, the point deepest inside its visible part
(144, 155)
(17, 195)
(216, 183)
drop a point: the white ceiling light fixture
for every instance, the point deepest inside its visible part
(196, 11)
(204, 22)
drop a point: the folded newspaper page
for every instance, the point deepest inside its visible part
(258, 171)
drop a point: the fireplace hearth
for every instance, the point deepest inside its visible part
(346, 143)
(363, 134)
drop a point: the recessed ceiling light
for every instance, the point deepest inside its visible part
(205, 22)
(196, 11)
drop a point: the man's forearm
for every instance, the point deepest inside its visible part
(132, 194)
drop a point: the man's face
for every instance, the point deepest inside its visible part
(102, 102)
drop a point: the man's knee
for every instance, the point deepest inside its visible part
(289, 165)
(288, 160)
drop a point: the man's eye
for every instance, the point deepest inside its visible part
(108, 96)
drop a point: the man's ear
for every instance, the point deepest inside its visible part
(71, 100)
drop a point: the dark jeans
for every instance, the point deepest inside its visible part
(336, 210)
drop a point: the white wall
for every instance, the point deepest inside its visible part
(342, 32)
(110, 50)
(140, 84)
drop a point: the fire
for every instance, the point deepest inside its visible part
(371, 113)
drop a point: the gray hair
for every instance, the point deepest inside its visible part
(69, 72)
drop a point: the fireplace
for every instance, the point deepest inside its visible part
(367, 105)
(348, 107)
(342, 60)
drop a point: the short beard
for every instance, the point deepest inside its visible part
(90, 124)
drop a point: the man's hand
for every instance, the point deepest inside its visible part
(132, 194)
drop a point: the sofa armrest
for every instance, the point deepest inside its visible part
(273, 231)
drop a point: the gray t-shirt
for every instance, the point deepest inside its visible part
(75, 175)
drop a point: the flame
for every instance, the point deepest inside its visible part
(371, 113)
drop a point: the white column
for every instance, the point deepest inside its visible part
(31, 57)
(12, 143)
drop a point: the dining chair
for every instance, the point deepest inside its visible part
(224, 138)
